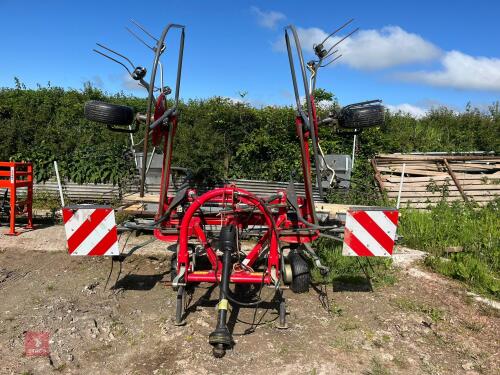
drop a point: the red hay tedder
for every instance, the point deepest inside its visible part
(209, 228)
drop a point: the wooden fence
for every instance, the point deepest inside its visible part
(428, 179)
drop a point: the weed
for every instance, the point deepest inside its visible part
(406, 304)
(472, 326)
(348, 326)
(336, 311)
(60, 368)
(400, 361)
(351, 270)
(342, 343)
(121, 217)
(117, 327)
(377, 368)
(47, 200)
(51, 287)
(283, 350)
(476, 230)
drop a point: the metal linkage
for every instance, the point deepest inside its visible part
(160, 47)
(305, 119)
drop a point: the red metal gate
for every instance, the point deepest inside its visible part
(13, 176)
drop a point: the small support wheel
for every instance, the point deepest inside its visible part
(179, 307)
(301, 276)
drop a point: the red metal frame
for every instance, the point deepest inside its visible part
(188, 224)
(15, 175)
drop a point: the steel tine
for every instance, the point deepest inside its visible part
(113, 59)
(144, 30)
(329, 62)
(336, 31)
(330, 54)
(116, 53)
(341, 40)
(138, 38)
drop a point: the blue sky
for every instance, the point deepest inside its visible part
(411, 54)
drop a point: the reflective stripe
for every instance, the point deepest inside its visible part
(96, 235)
(76, 220)
(383, 222)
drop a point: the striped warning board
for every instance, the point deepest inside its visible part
(370, 232)
(90, 230)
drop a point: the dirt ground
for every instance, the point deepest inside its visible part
(423, 324)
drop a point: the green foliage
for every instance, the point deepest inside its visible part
(476, 230)
(217, 138)
(323, 95)
(47, 124)
(469, 268)
(349, 270)
(411, 305)
(459, 224)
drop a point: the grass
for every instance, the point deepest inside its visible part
(409, 305)
(349, 270)
(377, 368)
(476, 230)
(46, 200)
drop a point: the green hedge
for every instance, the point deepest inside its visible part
(217, 138)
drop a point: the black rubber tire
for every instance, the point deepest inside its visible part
(107, 113)
(301, 277)
(361, 117)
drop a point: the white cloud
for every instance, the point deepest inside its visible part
(406, 108)
(307, 37)
(372, 49)
(461, 71)
(267, 19)
(390, 46)
(393, 46)
(130, 84)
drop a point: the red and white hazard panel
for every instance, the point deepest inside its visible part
(370, 232)
(91, 230)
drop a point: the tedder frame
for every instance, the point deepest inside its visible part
(208, 229)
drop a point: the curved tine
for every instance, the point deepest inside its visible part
(302, 68)
(292, 70)
(143, 29)
(329, 62)
(118, 54)
(329, 55)
(161, 75)
(332, 53)
(341, 40)
(179, 68)
(308, 94)
(139, 39)
(336, 31)
(158, 51)
(115, 60)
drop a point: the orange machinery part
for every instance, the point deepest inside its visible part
(15, 175)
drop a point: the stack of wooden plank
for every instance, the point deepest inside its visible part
(431, 178)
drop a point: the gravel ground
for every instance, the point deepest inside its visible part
(423, 324)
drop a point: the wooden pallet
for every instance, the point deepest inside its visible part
(429, 179)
